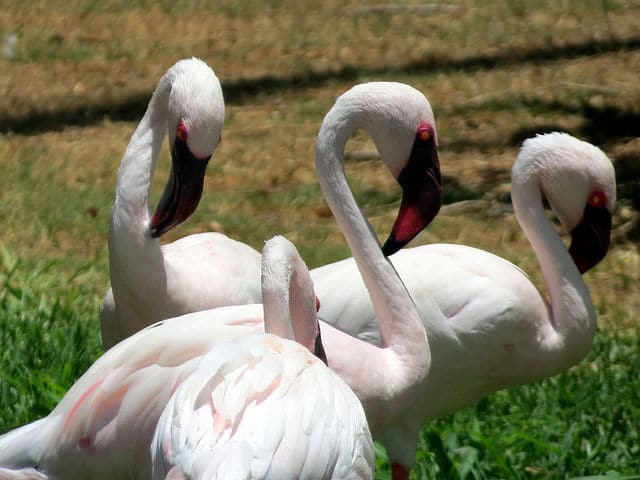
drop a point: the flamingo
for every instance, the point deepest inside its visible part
(106, 420)
(262, 406)
(270, 400)
(498, 330)
(386, 378)
(149, 281)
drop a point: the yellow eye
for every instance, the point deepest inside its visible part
(597, 198)
(425, 135)
(181, 132)
(424, 131)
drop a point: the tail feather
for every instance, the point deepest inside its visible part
(17, 449)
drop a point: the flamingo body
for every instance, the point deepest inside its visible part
(263, 407)
(201, 271)
(103, 426)
(468, 352)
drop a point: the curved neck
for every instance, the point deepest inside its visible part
(287, 293)
(132, 250)
(130, 213)
(277, 318)
(401, 329)
(572, 313)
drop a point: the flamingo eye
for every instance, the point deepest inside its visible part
(597, 198)
(181, 132)
(424, 131)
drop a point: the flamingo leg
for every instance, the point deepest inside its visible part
(399, 471)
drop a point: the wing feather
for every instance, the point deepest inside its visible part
(269, 405)
(111, 412)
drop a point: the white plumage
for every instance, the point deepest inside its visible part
(262, 406)
(102, 428)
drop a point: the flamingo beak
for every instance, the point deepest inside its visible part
(590, 238)
(421, 184)
(183, 191)
(318, 348)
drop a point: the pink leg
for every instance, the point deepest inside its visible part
(399, 471)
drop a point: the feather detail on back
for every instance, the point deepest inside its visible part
(263, 407)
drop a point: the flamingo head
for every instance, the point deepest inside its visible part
(578, 180)
(289, 302)
(401, 123)
(421, 184)
(196, 118)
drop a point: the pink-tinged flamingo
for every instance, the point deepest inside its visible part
(149, 281)
(262, 406)
(498, 330)
(229, 393)
(106, 420)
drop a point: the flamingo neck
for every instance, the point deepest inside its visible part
(287, 293)
(132, 250)
(130, 213)
(277, 320)
(404, 341)
(573, 315)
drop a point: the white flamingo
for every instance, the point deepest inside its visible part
(498, 330)
(386, 378)
(106, 420)
(150, 282)
(262, 406)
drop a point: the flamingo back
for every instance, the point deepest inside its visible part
(262, 407)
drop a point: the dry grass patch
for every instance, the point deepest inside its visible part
(261, 182)
(63, 54)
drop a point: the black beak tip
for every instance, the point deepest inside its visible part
(590, 238)
(391, 246)
(319, 348)
(155, 232)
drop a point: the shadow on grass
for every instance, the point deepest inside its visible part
(602, 124)
(243, 90)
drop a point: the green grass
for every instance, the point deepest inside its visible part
(584, 422)
(49, 337)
